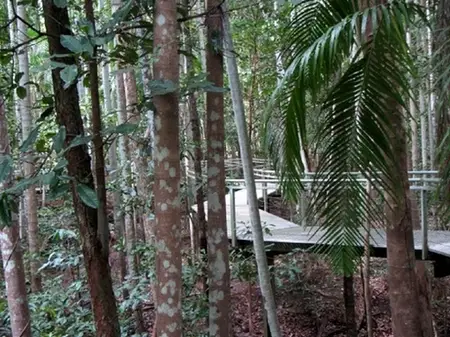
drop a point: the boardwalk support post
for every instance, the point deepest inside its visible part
(264, 185)
(424, 222)
(233, 217)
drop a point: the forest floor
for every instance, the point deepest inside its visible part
(310, 302)
(311, 305)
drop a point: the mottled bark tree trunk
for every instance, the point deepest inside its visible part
(218, 260)
(28, 165)
(167, 174)
(13, 268)
(79, 168)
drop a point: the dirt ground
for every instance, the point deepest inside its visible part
(312, 305)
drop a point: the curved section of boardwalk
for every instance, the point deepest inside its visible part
(282, 236)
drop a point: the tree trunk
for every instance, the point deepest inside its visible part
(167, 174)
(442, 36)
(123, 145)
(402, 277)
(349, 303)
(28, 165)
(257, 232)
(197, 140)
(218, 259)
(131, 221)
(79, 168)
(119, 221)
(99, 162)
(13, 268)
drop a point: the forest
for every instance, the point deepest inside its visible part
(225, 168)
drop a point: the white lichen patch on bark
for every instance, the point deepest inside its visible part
(161, 20)
(162, 154)
(215, 144)
(214, 202)
(167, 309)
(214, 116)
(169, 288)
(219, 268)
(213, 171)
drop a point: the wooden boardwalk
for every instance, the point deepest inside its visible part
(283, 236)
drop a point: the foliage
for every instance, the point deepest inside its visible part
(345, 70)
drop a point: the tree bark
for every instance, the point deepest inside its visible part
(28, 165)
(119, 222)
(442, 36)
(218, 258)
(68, 115)
(257, 232)
(167, 174)
(99, 162)
(349, 303)
(13, 267)
(130, 221)
(402, 277)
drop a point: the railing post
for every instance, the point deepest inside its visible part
(424, 221)
(265, 196)
(233, 217)
(303, 209)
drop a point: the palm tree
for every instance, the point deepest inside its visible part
(353, 63)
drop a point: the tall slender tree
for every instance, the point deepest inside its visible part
(167, 173)
(218, 260)
(68, 114)
(13, 267)
(246, 156)
(28, 166)
(96, 117)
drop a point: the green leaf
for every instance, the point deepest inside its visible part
(21, 92)
(41, 145)
(79, 140)
(6, 166)
(58, 139)
(30, 140)
(58, 191)
(23, 184)
(162, 87)
(60, 3)
(18, 77)
(47, 112)
(72, 43)
(48, 178)
(87, 195)
(47, 100)
(61, 164)
(5, 212)
(126, 128)
(69, 74)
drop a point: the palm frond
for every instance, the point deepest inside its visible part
(363, 81)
